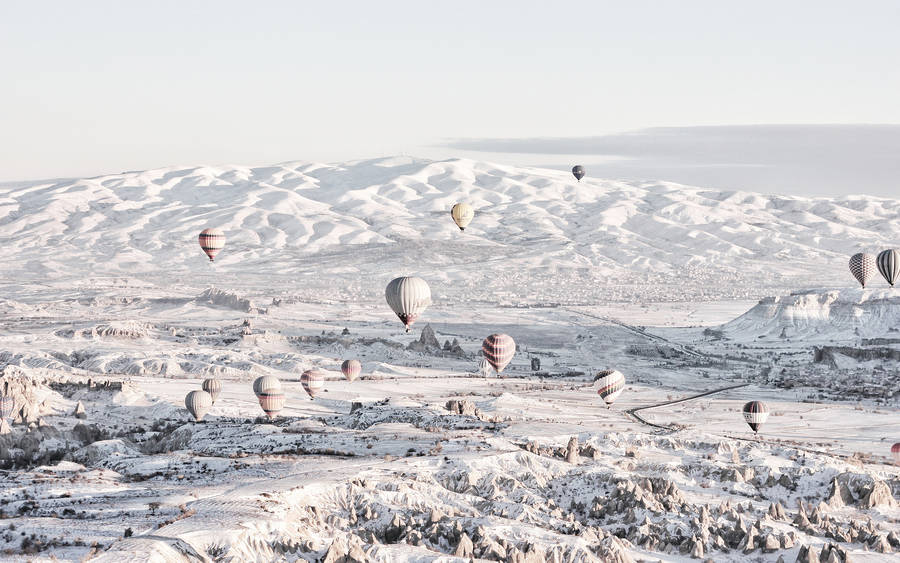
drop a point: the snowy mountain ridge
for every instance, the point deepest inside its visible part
(533, 227)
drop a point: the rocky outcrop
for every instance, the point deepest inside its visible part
(213, 296)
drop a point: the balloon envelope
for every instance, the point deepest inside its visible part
(609, 384)
(271, 401)
(895, 451)
(265, 383)
(888, 263)
(212, 241)
(351, 369)
(408, 297)
(756, 413)
(863, 267)
(313, 381)
(213, 387)
(462, 214)
(578, 172)
(198, 404)
(498, 350)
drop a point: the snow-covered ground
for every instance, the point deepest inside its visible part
(108, 301)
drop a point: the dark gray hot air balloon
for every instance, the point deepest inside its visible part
(755, 414)
(578, 172)
(889, 265)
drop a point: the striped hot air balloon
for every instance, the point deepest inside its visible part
(863, 267)
(895, 451)
(271, 401)
(212, 241)
(313, 382)
(756, 413)
(351, 369)
(462, 214)
(888, 263)
(213, 387)
(198, 404)
(7, 404)
(264, 383)
(609, 384)
(498, 350)
(408, 297)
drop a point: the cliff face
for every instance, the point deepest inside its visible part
(31, 396)
(840, 316)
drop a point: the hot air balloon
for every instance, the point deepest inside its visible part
(863, 267)
(578, 172)
(213, 387)
(408, 298)
(266, 382)
(610, 384)
(895, 450)
(351, 369)
(7, 404)
(498, 350)
(312, 381)
(756, 413)
(462, 214)
(212, 241)
(484, 367)
(198, 404)
(888, 263)
(271, 401)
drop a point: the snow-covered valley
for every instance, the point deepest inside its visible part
(107, 301)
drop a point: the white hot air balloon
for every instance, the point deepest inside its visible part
(609, 384)
(198, 404)
(265, 382)
(408, 297)
(213, 387)
(462, 214)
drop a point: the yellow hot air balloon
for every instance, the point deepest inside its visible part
(462, 214)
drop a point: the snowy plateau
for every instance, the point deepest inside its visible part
(110, 314)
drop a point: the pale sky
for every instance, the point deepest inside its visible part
(94, 87)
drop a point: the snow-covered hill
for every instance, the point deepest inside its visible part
(535, 230)
(831, 316)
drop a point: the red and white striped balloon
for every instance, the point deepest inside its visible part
(351, 369)
(498, 350)
(313, 381)
(212, 241)
(609, 384)
(271, 401)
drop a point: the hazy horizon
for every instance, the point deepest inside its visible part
(100, 87)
